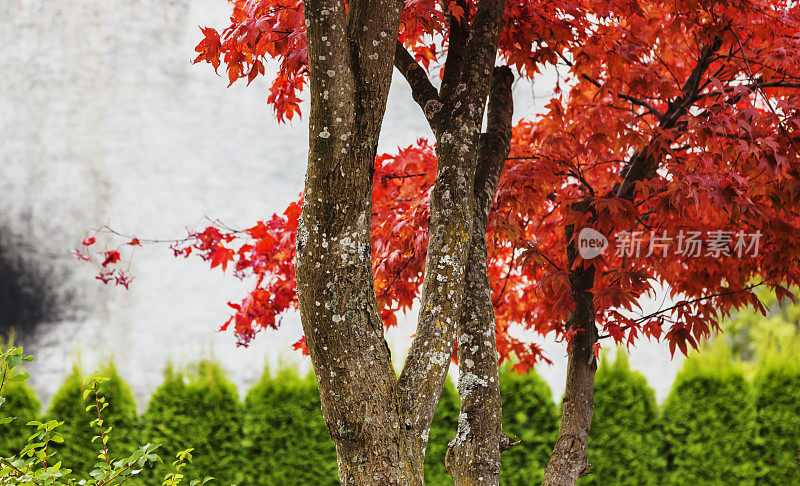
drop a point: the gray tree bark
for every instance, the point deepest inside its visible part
(349, 83)
(470, 164)
(456, 122)
(473, 456)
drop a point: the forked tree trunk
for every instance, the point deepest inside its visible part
(456, 122)
(379, 423)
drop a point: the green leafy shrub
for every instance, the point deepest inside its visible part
(443, 429)
(36, 464)
(20, 402)
(752, 335)
(709, 423)
(777, 392)
(198, 408)
(623, 446)
(530, 416)
(285, 439)
(70, 406)
(120, 413)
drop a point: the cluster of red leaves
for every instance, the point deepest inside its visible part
(260, 30)
(534, 31)
(106, 261)
(729, 163)
(264, 252)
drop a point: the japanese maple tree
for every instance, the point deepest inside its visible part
(674, 131)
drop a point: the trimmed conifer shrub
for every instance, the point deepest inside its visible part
(529, 415)
(20, 402)
(285, 439)
(709, 423)
(197, 409)
(623, 446)
(777, 391)
(68, 405)
(443, 429)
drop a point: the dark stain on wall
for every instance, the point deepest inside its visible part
(27, 295)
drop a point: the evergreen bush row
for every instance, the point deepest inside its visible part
(714, 427)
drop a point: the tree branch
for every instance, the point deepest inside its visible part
(480, 53)
(457, 40)
(423, 92)
(635, 101)
(684, 303)
(643, 163)
(450, 226)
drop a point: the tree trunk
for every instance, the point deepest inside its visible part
(569, 460)
(349, 82)
(473, 457)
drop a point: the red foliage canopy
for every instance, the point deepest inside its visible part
(705, 94)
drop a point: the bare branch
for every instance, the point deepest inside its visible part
(636, 101)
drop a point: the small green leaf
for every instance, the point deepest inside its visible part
(19, 377)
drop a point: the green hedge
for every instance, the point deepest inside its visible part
(623, 446)
(709, 423)
(709, 432)
(529, 415)
(78, 452)
(443, 429)
(20, 402)
(777, 391)
(197, 409)
(285, 439)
